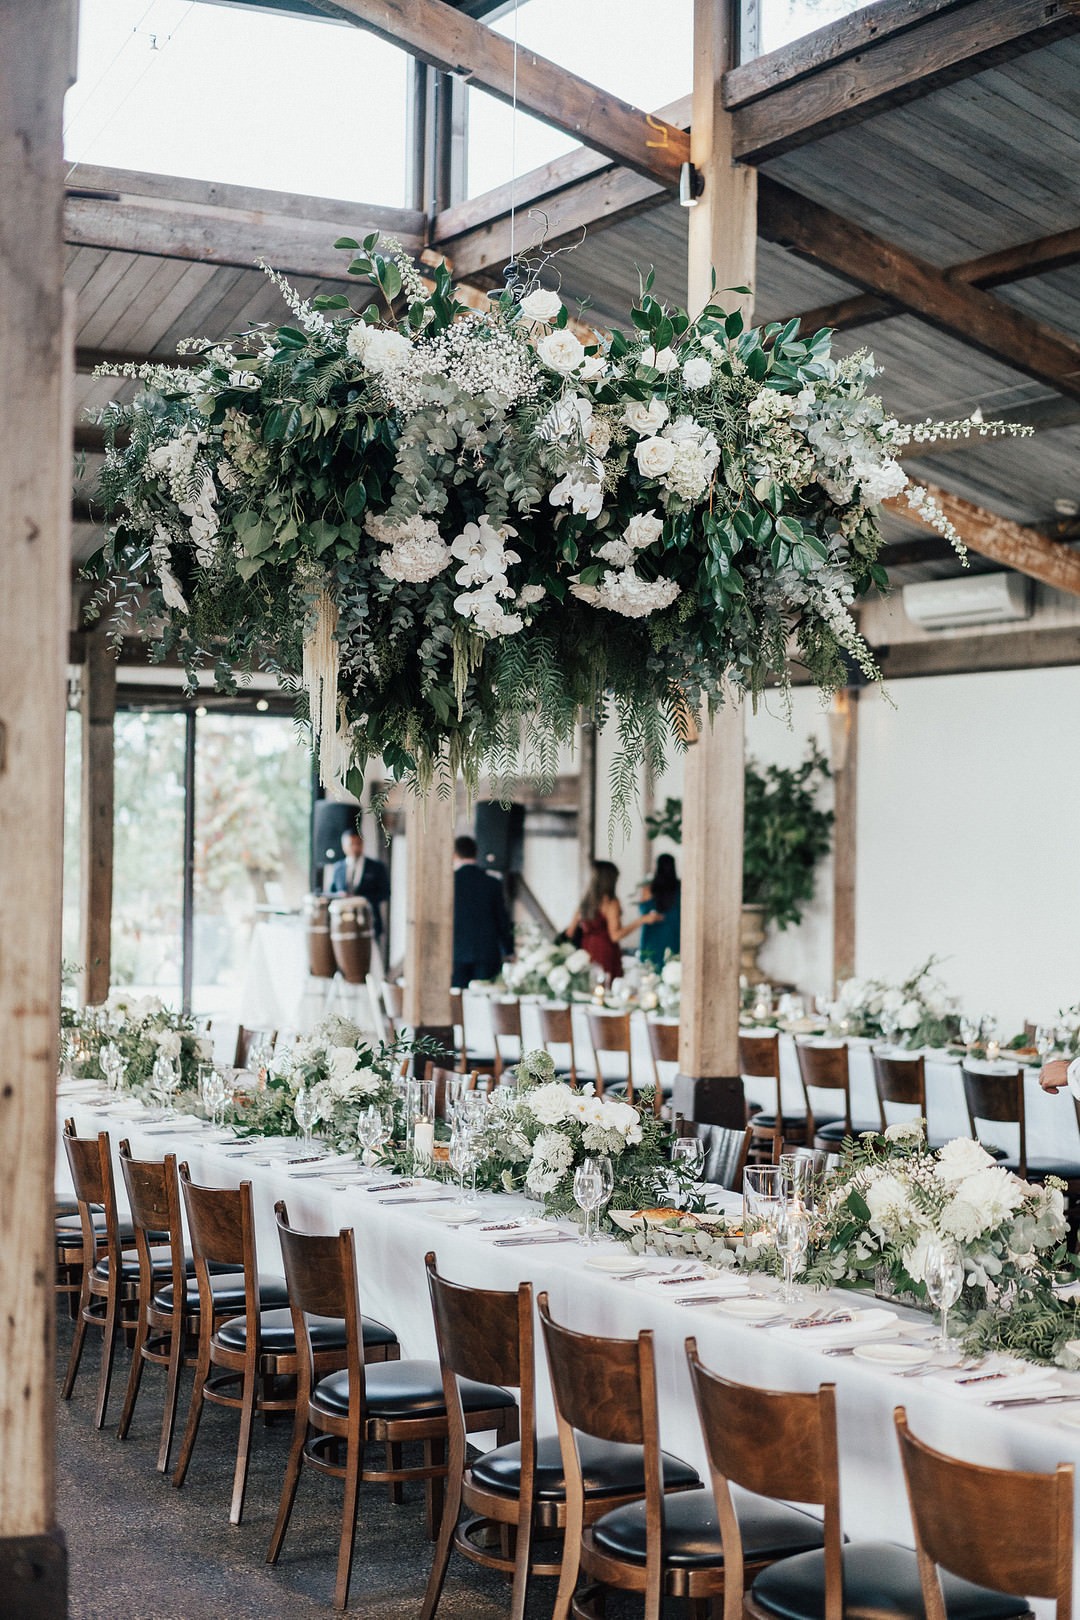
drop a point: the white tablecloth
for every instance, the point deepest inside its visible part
(392, 1242)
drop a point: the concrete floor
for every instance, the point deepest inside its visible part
(141, 1550)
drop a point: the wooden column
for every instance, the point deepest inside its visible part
(586, 803)
(36, 66)
(429, 913)
(844, 748)
(96, 818)
(723, 237)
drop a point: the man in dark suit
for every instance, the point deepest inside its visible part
(483, 936)
(358, 874)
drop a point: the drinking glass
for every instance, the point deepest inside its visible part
(167, 1079)
(890, 1023)
(306, 1112)
(112, 1064)
(216, 1095)
(1045, 1040)
(205, 1071)
(944, 1277)
(801, 1175)
(368, 1135)
(761, 1194)
(792, 1239)
(464, 1156)
(688, 1155)
(260, 1058)
(969, 1030)
(588, 1192)
(452, 1095)
(607, 1187)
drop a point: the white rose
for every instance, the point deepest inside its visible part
(593, 367)
(577, 962)
(645, 416)
(655, 457)
(559, 980)
(366, 1081)
(551, 1104)
(341, 1062)
(385, 350)
(541, 305)
(960, 1158)
(561, 351)
(910, 1015)
(663, 362)
(671, 974)
(643, 530)
(697, 373)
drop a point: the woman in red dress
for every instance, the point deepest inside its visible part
(598, 924)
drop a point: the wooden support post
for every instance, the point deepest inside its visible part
(96, 818)
(586, 804)
(723, 236)
(429, 915)
(844, 748)
(36, 66)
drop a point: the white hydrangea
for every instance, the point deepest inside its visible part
(417, 552)
(624, 591)
(616, 552)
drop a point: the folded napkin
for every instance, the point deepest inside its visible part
(996, 1382)
(510, 1227)
(850, 1327)
(687, 1285)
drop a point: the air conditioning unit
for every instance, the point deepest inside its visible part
(943, 604)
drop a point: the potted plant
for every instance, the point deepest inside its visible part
(785, 834)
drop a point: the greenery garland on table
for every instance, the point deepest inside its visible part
(458, 529)
(142, 1028)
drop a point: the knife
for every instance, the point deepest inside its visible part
(520, 1242)
(438, 1199)
(1034, 1400)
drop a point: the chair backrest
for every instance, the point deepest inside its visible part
(90, 1163)
(557, 1029)
(445, 1078)
(610, 1032)
(759, 1059)
(899, 1080)
(246, 1039)
(606, 1388)
(777, 1445)
(457, 1018)
(487, 1335)
(663, 1041)
(153, 1194)
(726, 1153)
(998, 1098)
(999, 1527)
(506, 1025)
(320, 1275)
(221, 1223)
(824, 1068)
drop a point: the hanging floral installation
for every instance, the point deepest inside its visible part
(458, 530)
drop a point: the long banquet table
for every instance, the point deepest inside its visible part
(393, 1240)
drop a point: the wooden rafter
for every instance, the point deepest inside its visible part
(1003, 541)
(880, 57)
(446, 39)
(1005, 333)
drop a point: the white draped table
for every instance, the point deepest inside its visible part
(392, 1243)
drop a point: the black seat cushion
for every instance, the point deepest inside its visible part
(69, 1231)
(881, 1582)
(767, 1122)
(65, 1206)
(228, 1290)
(405, 1389)
(1039, 1169)
(277, 1338)
(608, 1469)
(834, 1130)
(161, 1264)
(692, 1530)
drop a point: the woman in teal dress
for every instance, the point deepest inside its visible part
(660, 906)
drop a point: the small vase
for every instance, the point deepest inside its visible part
(751, 939)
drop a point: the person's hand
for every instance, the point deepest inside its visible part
(1054, 1075)
(653, 917)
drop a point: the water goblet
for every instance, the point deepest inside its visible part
(306, 1113)
(464, 1156)
(588, 1191)
(216, 1095)
(1045, 1040)
(792, 1240)
(944, 1278)
(969, 1030)
(167, 1079)
(368, 1136)
(761, 1195)
(688, 1157)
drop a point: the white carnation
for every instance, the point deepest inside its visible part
(697, 373)
(385, 350)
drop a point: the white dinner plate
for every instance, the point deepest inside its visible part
(751, 1310)
(891, 1354)
(623, 1264)
(455, 1215)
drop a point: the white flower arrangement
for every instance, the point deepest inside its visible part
(143, 1029)
(344, 1072)
(917, 1012)
(546, 968)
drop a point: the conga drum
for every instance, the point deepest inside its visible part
(320, 955)
(351, 932)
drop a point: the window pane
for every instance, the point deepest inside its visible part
(647, 59)
(148, 854)
(240, 96)
(781, 21)
(252, 842)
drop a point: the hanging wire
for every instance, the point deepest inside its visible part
(153, 55)
(107, 69)
(511, 275)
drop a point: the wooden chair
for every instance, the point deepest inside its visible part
(783, 1447)
(759, 1059)
(247, 1350)
(557, 1029)
(726, 1154)
(506, 1024)
(520, 1487)
(248, 1038)
(360, 1405)
(663, 1545)
(468, 1057)
(68, 1235)
(999, 1099)
(609, 1035)
(445, 1079)
(663, 1044)
(108, 1286)
(825, 1068)
(1013, 1530)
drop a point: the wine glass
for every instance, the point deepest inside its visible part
(215, 1094)
(368, 1135)
(1045, 1040)
(588, 1191)
(464, 1150)
(792, 1240)
(688, 1155)
(167, 1079)
(890, 1023)
(607, 1187)
(944, 1278)
(306, 1112)
(969, 1030)
(761, 1194)
(452, 1095)
(112, 1063)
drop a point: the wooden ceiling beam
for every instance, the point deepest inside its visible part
(940, 654)
(880, 57)
(1006, 334)
(1012, 545)
(454, 43)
